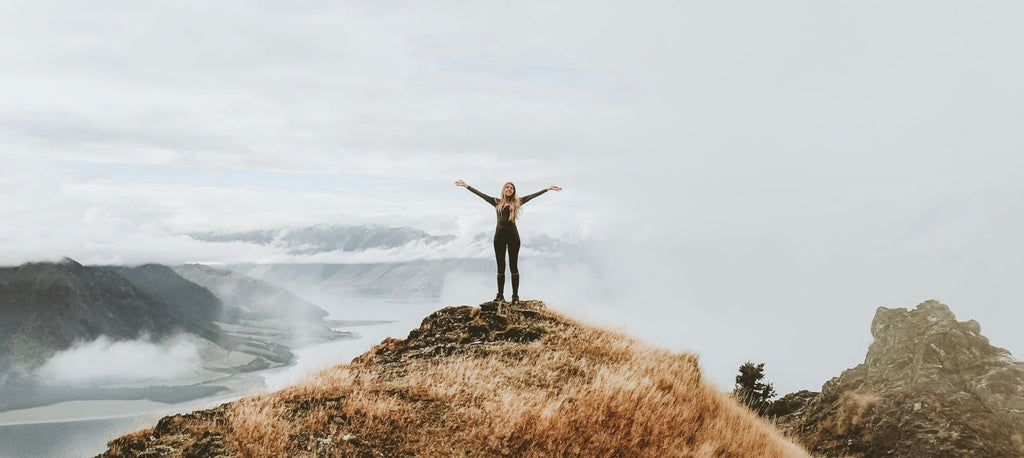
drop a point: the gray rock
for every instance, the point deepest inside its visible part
(929, 386)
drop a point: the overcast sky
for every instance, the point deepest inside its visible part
(775, 170)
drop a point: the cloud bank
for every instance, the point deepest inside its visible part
(108, 362)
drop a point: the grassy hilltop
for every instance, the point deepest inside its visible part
(471, 382)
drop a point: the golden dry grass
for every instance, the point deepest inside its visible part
(853, 409)
(576, 391)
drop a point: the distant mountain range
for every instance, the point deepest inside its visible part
(319, 239)
(326, 239)
(414, 278)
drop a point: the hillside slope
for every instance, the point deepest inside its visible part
(250, 298)
(191, 302)
(46, 307)
(471, 382)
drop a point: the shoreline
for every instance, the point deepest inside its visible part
(105, 410)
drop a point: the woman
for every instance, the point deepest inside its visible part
(506, 235)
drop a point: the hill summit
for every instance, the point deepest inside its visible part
(472, 382)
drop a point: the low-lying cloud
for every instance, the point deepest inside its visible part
(108, 362)
(412, 251)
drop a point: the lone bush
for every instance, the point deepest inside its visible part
(751, 388)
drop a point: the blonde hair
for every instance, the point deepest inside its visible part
(513, 202)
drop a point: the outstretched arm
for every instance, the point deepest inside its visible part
(483, 196)
(526, 199)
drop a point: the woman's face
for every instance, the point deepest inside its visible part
(509, 189)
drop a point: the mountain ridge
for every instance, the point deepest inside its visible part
(49, 306)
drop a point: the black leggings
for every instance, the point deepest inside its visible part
(511, 243)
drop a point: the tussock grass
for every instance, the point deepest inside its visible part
(575, 391)
(853, 410)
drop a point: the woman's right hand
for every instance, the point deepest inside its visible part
(461, 183)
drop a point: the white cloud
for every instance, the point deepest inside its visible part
(108, 362)
(460, 248)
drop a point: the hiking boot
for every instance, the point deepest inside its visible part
(515, 299)
(499, 298)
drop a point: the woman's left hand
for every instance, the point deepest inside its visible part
(555, 188)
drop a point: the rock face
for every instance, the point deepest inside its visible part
(929, 386)
(456, 329)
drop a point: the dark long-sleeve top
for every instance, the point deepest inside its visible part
(504, 225)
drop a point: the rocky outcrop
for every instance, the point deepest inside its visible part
(458, 329)
(929, 386)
